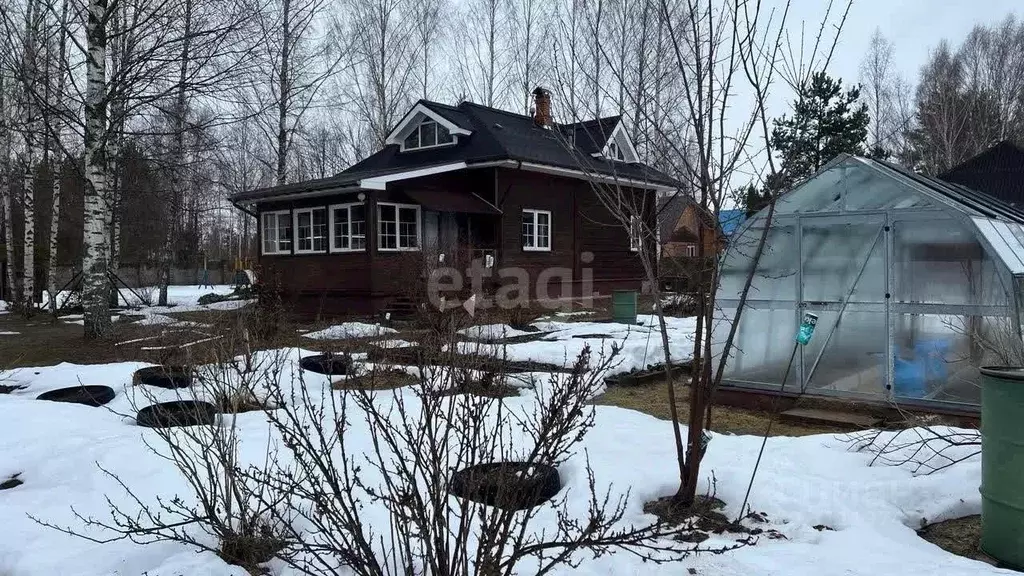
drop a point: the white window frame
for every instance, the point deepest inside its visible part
(295, 230)
(536, 245)
(690, 251)
(419, 126)
(277, 242)
(398, 235)
(634, 234)
(330, 227)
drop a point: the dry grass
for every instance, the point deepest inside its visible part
(653, 399)
(961, 536)
(382, 379)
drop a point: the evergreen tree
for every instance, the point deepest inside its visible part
(753, 199)
(826, 122)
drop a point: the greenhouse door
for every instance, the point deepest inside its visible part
(843, 279)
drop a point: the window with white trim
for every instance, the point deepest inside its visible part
(536, 230)
(348, 227)
(310, 230)
(615, 153)
(634, 233)
(277, 232)
(427, 134)
(690, 250)
(398, 226)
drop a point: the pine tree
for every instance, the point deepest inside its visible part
(753, 199)
(826, 122)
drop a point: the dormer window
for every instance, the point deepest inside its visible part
(427, 134)
(615, 153)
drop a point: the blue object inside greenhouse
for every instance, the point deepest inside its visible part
(913, 377)
(803, 336)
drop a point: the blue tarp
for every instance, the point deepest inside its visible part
(730, 220)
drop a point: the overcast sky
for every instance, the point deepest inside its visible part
(913, 26)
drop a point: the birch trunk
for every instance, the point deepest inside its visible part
(178, 160)
(56, 167)
(95, 302)
(284, 91)
(5, 188)
(29, 119)
(114, 147)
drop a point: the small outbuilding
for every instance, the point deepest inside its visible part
(916, 283)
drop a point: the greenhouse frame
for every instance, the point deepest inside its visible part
(916, 283)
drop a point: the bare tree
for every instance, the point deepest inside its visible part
(6, 169)
(299, 55)
(427, 17)
(481, 55)
(383, 76)
(715, 49)
(877, 79)
(55, 131)
(530, 38)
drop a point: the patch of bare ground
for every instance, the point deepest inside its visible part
(378, 379)
(653, 399)
(960, 536)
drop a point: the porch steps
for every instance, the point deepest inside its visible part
(401, 309)
(830, 418)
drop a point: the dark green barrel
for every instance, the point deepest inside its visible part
(1002, 464)
(624, 306)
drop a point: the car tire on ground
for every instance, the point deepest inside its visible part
(164, 377)
(509, 485)
(87, 395)
(177, 413)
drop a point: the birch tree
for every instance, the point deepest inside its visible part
(382, 78)
(426, 16)
(55, 130)
(482, 51)
(30, 132)
(878, 82)
(6, 169)
(95, 301)
(529, 48)
(298, 56)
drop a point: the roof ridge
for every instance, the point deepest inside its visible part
(493, 109)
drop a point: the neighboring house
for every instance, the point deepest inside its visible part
(678, 223)
(998, 172)
(456, 185)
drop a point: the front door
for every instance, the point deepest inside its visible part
(843, 280)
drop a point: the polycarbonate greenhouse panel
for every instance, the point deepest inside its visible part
(1007, 239)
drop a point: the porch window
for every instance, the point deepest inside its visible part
(310, 230)
(537, 230)
(277, 232)
(427, 134)
(348, 227)
(398, 226)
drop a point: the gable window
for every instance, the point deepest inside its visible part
(348, 227)
(427, 134)
(536, 230)
(690, 250)
(277, 232)
(615, 153)
(310, 230)
(398, 226)
(634, 233)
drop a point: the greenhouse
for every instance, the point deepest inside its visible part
(916, 283)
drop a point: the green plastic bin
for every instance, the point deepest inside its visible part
(624, 306)
(1002, 464)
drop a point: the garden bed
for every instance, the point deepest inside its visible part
(648, 375)
(416, 356)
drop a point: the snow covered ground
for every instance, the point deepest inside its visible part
(58, 448)
(350, 330)
(186, 295)
(640, 344)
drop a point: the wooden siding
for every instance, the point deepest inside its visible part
(361, 282)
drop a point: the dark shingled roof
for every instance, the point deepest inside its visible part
(496, 135)
(998, 172)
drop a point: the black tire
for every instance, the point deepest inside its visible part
(170, 377)
(178, 413)
(329, 364)
(87, 395)
(508, 485)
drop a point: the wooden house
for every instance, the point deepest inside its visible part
(460, 186)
